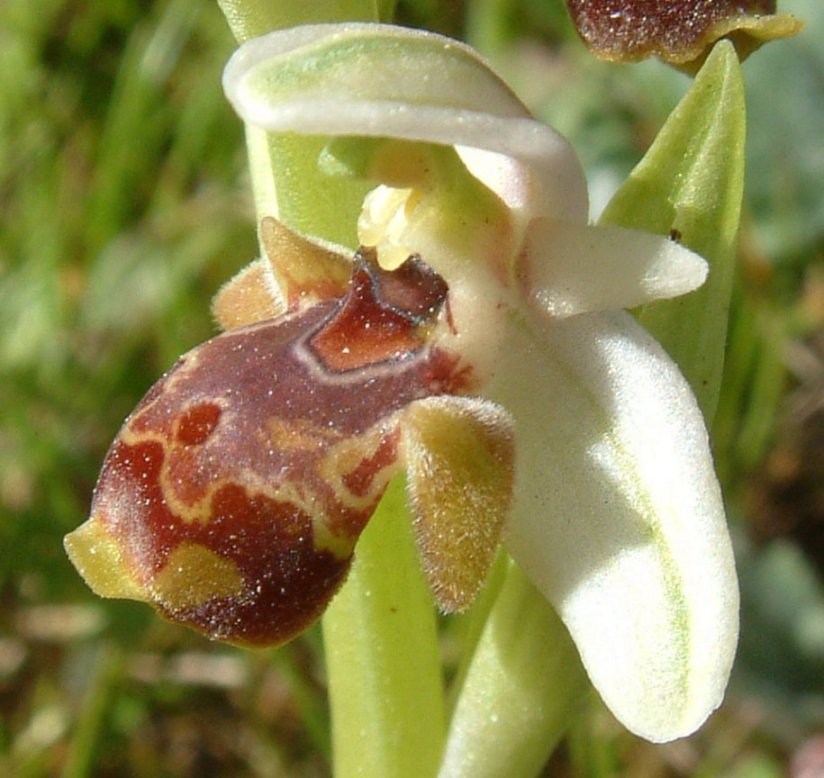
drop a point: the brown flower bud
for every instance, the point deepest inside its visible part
(681, 32)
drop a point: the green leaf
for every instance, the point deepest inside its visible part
(689, 185)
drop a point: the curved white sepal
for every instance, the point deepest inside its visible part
(568, 268)
(383, 81)
(618, 516)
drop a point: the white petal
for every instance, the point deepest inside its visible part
(571, 268)
(618, 516)
(384, 81)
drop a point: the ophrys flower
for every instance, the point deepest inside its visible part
(480, 346)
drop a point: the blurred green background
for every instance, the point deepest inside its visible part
(125, 204)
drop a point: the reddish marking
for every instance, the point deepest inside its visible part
(450, 319)
(359, 481)
(380, 318)
(287, 583)
(444, 374)
(363, 332)
(129, 499)
(197, 423)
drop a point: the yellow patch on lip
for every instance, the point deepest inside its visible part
(297, 435)
(193, 575)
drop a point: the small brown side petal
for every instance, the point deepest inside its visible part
(249, 297)
(295, 274)
(460, 459)
(680, 33)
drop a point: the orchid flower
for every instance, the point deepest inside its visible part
(477, 342)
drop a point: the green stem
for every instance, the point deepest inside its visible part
(521, 690)
(474, 623)
(251, 18)
(382, 656)
(286, 180)
(301, 196)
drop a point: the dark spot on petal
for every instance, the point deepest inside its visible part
(196, 423)
(359, 481)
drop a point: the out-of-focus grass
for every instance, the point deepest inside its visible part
(125, 205)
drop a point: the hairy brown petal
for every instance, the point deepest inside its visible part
(460, 460)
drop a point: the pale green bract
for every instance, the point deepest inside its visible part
(618, 518)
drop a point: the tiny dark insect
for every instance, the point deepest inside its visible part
(675, 235)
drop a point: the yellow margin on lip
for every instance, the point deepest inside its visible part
(100, 560)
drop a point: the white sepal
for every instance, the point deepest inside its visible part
(618, 516)
(384, 81)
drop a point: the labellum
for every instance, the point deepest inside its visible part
(234, 494)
